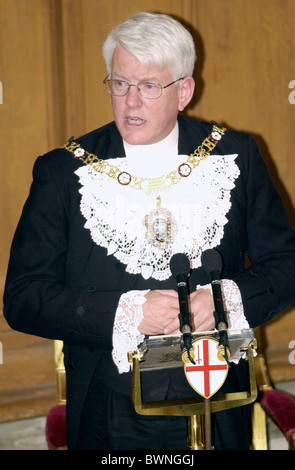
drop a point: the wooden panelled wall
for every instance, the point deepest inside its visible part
(51, 72)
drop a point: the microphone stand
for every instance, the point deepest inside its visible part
(184, 316)
(219, 313)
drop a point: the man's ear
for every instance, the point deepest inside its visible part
(186, 92)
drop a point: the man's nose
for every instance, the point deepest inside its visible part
(133, 97)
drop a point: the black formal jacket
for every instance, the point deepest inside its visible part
(61, 285)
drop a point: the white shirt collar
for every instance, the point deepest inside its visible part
(154, 158)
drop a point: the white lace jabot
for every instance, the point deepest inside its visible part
(115, 214)
(115, 217)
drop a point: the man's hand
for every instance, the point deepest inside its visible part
(161, 311)
(201, 305)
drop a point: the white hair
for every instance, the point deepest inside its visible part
(154, 39)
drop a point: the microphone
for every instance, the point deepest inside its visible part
(212, 264)
(180, 269)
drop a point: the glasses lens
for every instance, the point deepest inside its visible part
(117, 87)
(150, 90)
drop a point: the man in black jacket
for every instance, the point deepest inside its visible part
(90, 258)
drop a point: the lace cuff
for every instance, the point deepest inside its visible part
(233, 304)
(126, 336)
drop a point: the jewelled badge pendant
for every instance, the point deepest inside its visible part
(160, 226)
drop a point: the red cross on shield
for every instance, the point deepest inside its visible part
(210, 370)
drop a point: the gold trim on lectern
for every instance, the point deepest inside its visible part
(196, 407)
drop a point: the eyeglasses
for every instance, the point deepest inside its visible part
(148, 90)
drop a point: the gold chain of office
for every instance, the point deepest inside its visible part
(149, 185)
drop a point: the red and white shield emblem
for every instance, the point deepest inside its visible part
(210, 370)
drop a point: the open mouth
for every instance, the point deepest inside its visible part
(135, 120)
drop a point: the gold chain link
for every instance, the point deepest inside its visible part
(149, 185)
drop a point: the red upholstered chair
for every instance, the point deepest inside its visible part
(278, 405)
(55, 428)
(56, 431)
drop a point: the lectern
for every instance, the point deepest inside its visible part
(205, 367)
